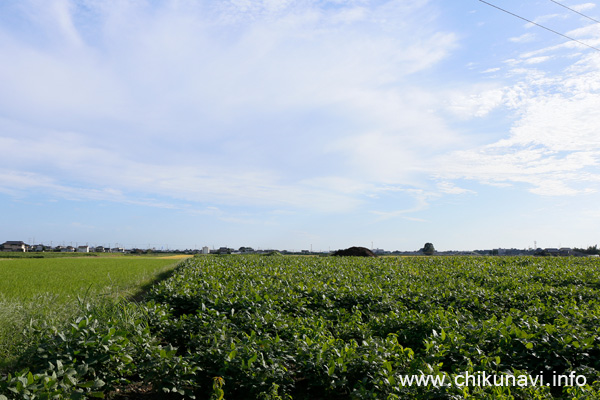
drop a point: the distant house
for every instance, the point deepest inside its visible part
(99, 249)
(14, 246)
(205, 250)
(565, 251)
(380, 251)
(68, 249)
(223, 250)
(83, 249)
(117, 250)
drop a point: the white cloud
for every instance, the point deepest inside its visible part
(545, 18)
(583, 7)
(491, 70)
(419, 197)
(181, 69)
(524, 38)
(114, 178)
(451, 188)
(478, 103)
(220, 102)
(537, 60)
(317, 107)
(553, 145)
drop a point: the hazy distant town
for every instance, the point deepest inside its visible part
(20, 246)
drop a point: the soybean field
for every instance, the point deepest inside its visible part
(284, 327)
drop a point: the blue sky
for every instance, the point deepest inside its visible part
(290, 124)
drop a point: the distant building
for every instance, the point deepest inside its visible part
(223, 250)
(565, 251)
(381, 251)
(205, 250)
(14, 246)
(83, 249)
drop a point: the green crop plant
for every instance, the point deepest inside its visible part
(339, 328)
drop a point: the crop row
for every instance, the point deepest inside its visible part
(336, 328)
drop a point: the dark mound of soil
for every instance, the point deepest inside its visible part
(355, 252)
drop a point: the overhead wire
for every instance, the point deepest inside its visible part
(541, 26)
(575, 11)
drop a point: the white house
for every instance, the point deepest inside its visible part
(14, 246)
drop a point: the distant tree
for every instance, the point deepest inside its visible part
(591, 250)
(428, 249)
(541, 253)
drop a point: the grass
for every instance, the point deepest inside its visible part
(52, 254)
(52, 290)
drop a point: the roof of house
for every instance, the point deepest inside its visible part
(13, 242)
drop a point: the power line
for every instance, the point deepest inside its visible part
(541, 26)
(575, 11)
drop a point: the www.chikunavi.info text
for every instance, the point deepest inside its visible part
(482, 378)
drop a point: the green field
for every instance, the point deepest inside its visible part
(24, 279)
(54, 289)
(255, 327)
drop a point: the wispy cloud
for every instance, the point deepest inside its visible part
(584, 7)
(553, 145)
(206, 102)
(254, 112)
(524, 38)
(479, 102)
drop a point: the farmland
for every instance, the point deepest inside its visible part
(53, 289)
(65, 278)
(280, 327)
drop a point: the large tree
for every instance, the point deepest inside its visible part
(428, 249)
